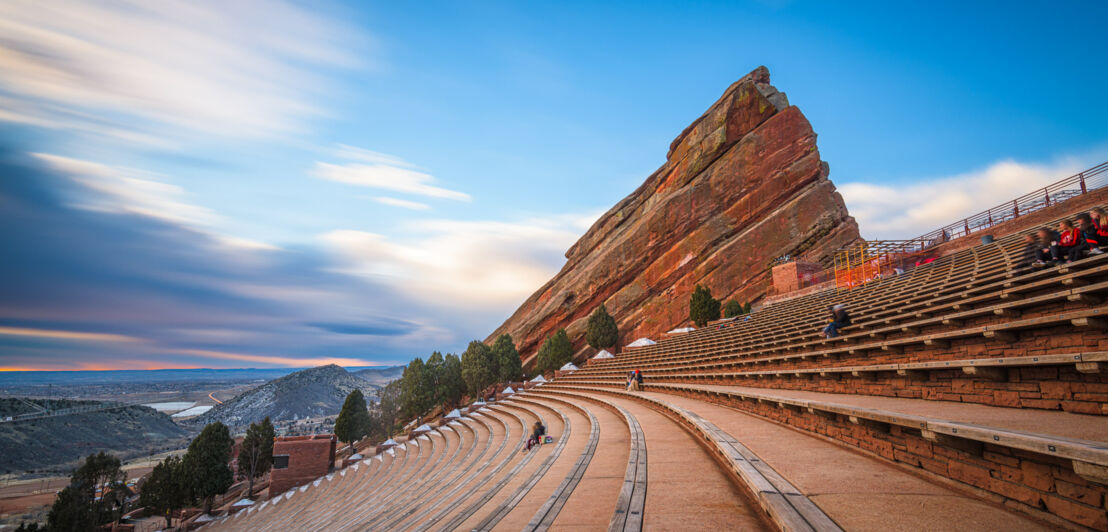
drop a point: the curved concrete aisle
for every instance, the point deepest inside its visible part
(591, 505)
(687, 490)
(858, 492)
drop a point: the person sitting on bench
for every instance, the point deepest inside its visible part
(1100, 218)
(1091, 232)
(1071, 242)
(839, 318)
(631, 383)
(537, 432)
(1046, 247)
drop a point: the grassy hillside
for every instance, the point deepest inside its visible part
(56, 444)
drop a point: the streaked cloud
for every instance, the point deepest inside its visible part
(211, 67)
(352, 153)
(475, 264)
(67, 335)
(926, 204)
(386, 177)
(292, 362)
(403, 204)
(132, 191)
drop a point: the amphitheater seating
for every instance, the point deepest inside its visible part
(969, 393)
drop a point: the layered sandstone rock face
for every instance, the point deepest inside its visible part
(741, 186)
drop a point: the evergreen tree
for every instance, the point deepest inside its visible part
(205, 464)
(478, 368)
(454, 387)
(746, 308)
(103, 472)
(601, 331)
(256, 452)
(72, 509)
(413, 394)
(508, 364)
(555, 352)
(76, 506)
(388, 408)
(432, 381)
(353, 422)
(166, 489)
(702, 307)
(732, 308)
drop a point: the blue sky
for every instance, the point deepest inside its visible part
(283, 184)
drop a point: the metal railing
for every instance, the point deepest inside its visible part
(1053, 194)
(860, 263)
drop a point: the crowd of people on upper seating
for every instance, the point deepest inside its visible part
(1074, 240)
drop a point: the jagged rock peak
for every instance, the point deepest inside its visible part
(741, 186)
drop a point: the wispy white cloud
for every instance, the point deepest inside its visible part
(352, 153)
(129, 190)
(403, 204)
(219, 67)
(386, 177)
(907, 211)
(365, 168)
(476, 264)
(132, 191)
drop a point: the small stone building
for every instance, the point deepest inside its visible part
(298, 460)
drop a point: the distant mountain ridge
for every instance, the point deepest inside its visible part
(379, 376)
(311, 392)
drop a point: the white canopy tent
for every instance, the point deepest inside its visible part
(538, 379)
(569, 367)
(422, 428)
(682, 330)
(508, 391)
(642, 342)
(454, 414)
(603, 354)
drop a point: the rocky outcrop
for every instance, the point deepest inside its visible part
(741, 186)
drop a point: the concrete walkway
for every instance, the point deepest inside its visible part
(593, 500)
(687, 490)
(1051, 422)
(858, 492)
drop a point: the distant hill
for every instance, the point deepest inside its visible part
(379, 376)
(58, 443)
(307, 393)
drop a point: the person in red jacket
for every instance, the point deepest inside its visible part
(1100, 218)
(1071, 242)
(1091, 232)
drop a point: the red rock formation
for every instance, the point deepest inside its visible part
(741, 186)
